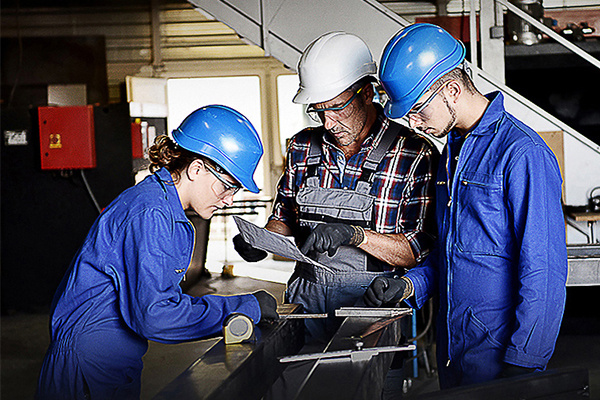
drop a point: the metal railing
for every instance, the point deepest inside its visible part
(528, 104)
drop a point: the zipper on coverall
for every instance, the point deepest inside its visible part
(193, 249)
(453, 223)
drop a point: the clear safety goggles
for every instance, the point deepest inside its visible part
(418, 111)
(222, 187)
(342, 111)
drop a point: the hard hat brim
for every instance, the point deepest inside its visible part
(217, 156)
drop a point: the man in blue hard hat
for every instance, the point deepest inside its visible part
(500, 263)
(356, 192)
(122, 288)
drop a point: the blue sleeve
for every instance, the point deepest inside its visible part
(425, 280)
(150, 298)
(534, 200)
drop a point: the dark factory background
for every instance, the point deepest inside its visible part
(47, 213)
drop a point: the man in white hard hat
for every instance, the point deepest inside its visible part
(357, 191)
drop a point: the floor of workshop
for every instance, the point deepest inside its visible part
(24, 337)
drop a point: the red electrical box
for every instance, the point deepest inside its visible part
(67, 137)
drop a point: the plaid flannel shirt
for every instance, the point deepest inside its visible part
(403, 185)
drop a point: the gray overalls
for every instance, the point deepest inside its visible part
(350, 270)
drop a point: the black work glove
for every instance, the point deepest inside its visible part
(268, 305)
(511, 370)
(246, 250)
(327, 238)
(384, 290)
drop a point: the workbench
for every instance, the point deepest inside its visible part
(249, 370)
(591, 218)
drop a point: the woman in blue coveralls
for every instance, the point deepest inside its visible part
(122, 288)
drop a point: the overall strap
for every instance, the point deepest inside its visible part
(314, 158)
(375, 156)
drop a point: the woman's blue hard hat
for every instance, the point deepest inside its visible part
(226, 137)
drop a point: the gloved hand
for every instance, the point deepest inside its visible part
(511, 370)
(246, 250)
(385, 290)
(268, 305)
(328, 237)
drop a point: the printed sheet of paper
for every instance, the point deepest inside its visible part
(272, 242)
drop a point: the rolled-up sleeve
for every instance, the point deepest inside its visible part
(416, 215)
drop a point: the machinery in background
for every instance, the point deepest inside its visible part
(577, 32)
(594, 200)
(520, 32)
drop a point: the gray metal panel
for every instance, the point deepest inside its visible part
(290, 25)
(584, 272)
(242, 16)
(584, 265)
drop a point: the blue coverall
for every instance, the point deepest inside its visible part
(122, 289)
(500, 264)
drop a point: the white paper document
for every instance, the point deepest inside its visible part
(272, 242)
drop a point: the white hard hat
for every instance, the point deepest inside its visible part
(330, 65)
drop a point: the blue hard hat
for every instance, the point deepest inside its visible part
(226, 137)
(412, 61)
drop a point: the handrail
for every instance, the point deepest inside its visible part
(537, 110)
(575, 49)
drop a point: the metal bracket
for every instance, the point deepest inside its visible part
(355, 355)
(496, 32)
(302, 316)
(364, 312)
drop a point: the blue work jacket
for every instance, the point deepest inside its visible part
(500, 263)
(122, 289)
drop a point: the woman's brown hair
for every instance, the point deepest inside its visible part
(166, 153)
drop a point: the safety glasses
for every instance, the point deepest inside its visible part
(224, 187)
(418, 111)
(318, 114)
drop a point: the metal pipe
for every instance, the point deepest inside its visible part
(89, 190)
(473, 32)
(427, 326)
(157, 62)
(578, 229)
(264, 29)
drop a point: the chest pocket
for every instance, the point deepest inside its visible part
(482, 225)
(335, 205)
